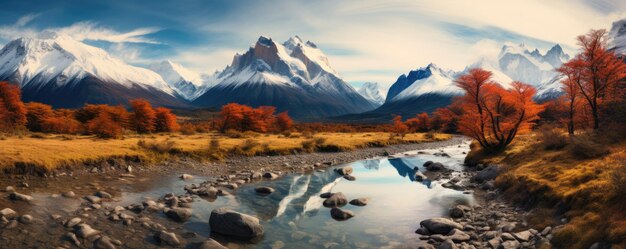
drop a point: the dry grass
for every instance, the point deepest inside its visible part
(54, 151)
(576, 183)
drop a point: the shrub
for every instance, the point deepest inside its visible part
(429, 135)
(308, 134)
(249, 144)
(188, 129)
(104, 127)
(618, 177)
(551, 138)
(166, 146)
(584, 146)
(234, 134)
(308, 145)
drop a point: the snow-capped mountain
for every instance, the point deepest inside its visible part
(294, 76)
(55, 69)
(429, 79)
(371, 92)
(617, 37)
(185, 82)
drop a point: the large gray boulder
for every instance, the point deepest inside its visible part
(231, 223)
(336, 200)
(487, 174)
(340, 214)
(440, 225)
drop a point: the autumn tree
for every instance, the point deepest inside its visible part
(36, 113)
(143, 117)
(420, 123)
(103, 126)
(492, 115)
(446, 119)
(399, 128)
(283, 121)
(232, 115)
(601, 73)
(12, 109)
(165, 120)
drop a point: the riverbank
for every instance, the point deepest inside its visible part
(576, 189)
(45, 155)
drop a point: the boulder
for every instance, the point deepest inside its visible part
(211, 244)
(435, 167)
(8, 213)
(93, 199)
(427, 163)
(419, 176)
(73, 222)
(336, 200)
(440, 225)
(326, 195)
(270, 175)
(68, 194)
(339, 214)
(85, 231)
(344, 170)
(509, 244)
(457, 236)
(104, 195)
(231, 223)
(349, 177)
(523, 235)
(447, 244)
(264, 190)
(26, 219)
(186, 177)
(103, 242)
(20, 197)
(165, 238)
(359, 202)
(487, 174)
(179, 214)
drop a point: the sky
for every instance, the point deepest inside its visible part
(364, 40)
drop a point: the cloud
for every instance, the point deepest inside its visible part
(25, 19)
(94, 32)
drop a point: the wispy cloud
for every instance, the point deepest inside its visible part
(25, 19)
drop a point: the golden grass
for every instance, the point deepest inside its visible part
(558, 178)
(53, 151)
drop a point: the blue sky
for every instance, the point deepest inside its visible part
(365, 40)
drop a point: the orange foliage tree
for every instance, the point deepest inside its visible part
(399, 128)
(12, 109)
(144, 117)
(420, 123)
(103, 126)
(36, 113)
(165, 120)
(283, 121)
(596, 74)
(493, 115)
(245, 118)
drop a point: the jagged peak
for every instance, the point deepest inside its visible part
(265, 41)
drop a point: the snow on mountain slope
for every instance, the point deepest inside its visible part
(617, 37)
(371, 92)
(437, 81)
(269, 70)
(58, 58)
(185, 82)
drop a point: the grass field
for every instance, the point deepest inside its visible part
(585, 190)
(51, 151)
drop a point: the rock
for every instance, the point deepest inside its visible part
(73, 222)
(359, 202)
(349, 177)
(523, 236)
(509, 244)
(104, 195)
(344, 170)
(231, 223)
(487, 185)
(93, 199)
(546, 231)
(20, 197)
(326, 195)
(165, 238)
(487, 174)
(186, 177)
(270, 175)
(211, 244)
(68, 194)
(422, 231)
(427, 163)
(8, 213)
(440, 225)
(508, 227)
(419, 176)
(336, 200)
(457, 212)
(339, 214)
(507, 236)
(179, 214)
(494, 243)
(457, 236)
(85, 231)
(256, 175)
(72, 238)
(447, 244)
(435, 167)
(9, 189)
(264, 190)
(26, 219)
(103, 242)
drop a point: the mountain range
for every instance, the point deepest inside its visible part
(294, 76)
